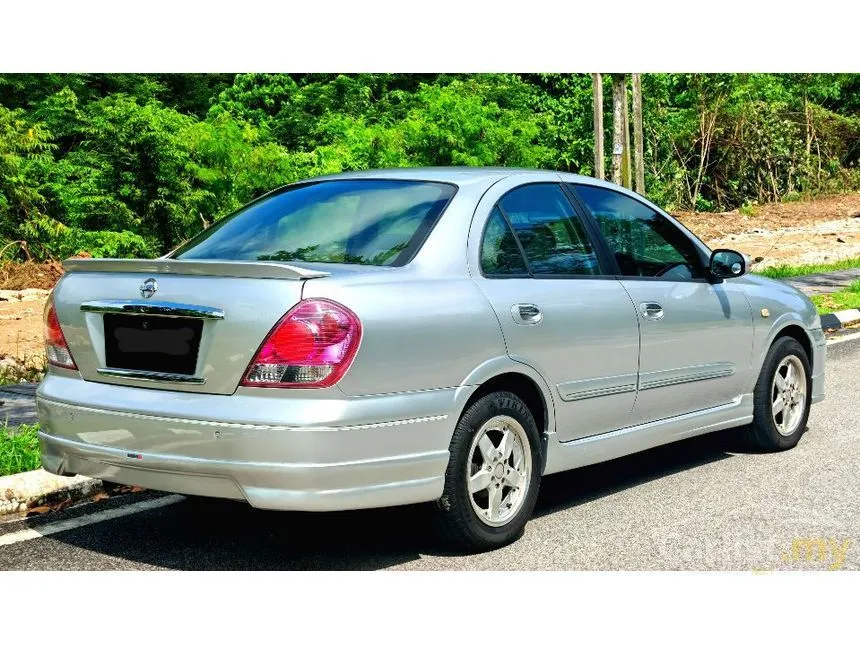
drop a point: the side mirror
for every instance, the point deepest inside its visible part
(726, 263)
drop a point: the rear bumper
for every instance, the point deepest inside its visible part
(399, 459)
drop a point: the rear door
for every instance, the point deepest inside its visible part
(696, 337)
(533, 258)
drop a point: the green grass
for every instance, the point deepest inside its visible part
(750, 210)
(19, 452)
(838, 300)
(793, 271)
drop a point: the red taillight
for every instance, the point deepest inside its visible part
(56, 348)
(311, 346)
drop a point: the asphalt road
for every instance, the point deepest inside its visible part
(705, 503)
(17, 406)
(817, 283)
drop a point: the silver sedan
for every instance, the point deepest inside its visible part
(443, 335)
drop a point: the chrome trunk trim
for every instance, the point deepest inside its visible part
(141, 375)
(149, 308)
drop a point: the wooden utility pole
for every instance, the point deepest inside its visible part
(598, 125)
(627, 159)
(619, 99)
(638, 139)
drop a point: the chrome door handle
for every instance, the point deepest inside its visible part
(526, 314)
(651, 310)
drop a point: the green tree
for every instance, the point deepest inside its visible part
(22, 144)
(131, 164)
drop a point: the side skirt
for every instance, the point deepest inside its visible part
(619, 443)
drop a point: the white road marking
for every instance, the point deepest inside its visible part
(843, 339)
(86, 520)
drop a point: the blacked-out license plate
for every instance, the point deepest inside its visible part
(152, 343)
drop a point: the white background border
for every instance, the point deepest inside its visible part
(432, 36)
(403, 36)
(440, 608)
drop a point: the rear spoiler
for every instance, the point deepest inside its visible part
(224, 268)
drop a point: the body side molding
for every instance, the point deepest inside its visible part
(604, 386)
(678, 376)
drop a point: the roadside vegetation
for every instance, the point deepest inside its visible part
(132, 164)
(29, 370)
(793, 271)
(19, 449)
(848, 298)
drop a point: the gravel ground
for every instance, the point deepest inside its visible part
(699, 504)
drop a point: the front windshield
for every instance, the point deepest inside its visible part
(355, 221)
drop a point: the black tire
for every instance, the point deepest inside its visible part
(456, 519)
(762, 432)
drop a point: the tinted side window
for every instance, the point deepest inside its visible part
(551, 234)
(500, 254)
(643, 241)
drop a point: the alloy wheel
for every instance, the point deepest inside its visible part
(788, 395)
(499, 470)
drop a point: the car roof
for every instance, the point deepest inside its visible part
(459, 175)
(477, 178)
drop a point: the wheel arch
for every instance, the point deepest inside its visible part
(799, 334)
(506, 374)
(790, 325)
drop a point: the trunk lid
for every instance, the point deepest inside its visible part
(222, 310)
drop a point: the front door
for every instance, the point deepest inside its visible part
(558, 311)
(696, 337)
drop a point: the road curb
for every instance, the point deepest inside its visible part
(840, 319)
(39, 487)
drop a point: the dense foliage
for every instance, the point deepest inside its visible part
(131, 164)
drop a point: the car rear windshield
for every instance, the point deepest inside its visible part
(356, 221)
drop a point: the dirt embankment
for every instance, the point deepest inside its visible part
(811, 232)
(821, 230)
(21, 341)
(24, 288)
(15, 276)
